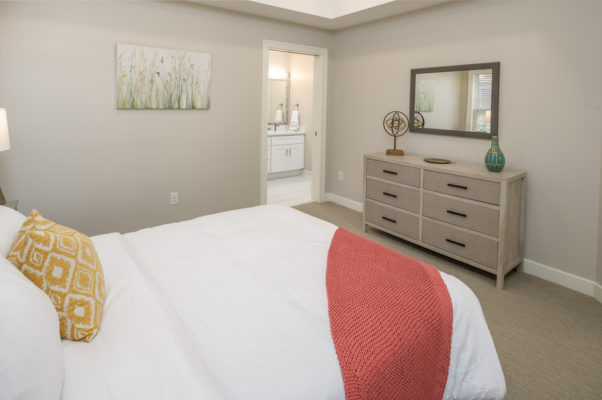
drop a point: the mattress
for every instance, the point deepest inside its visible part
(234, 306)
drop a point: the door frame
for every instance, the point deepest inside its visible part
(318, 137)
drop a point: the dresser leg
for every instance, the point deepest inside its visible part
(365, 228)
(500, 281)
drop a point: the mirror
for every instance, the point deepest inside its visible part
(278, 100)
(459, 100)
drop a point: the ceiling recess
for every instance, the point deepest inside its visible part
(324, 14)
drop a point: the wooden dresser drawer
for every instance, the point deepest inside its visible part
(462, 186)
(478, 218)
(464, 244)
(395, 195)
(393, 172)
(392, 219)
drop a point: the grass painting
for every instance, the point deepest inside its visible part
(155, 78)
(425, 95)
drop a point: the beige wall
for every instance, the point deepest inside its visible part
(279, 61)
(86, 164)
(550, 107)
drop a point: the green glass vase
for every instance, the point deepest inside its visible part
(494, 159)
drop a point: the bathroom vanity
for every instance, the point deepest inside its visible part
(286, 152)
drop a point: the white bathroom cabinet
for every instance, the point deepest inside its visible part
(286, 153)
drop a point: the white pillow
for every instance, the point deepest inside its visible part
(31, 354)
(10, 223)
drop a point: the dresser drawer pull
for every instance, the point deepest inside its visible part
(389, 219)
(456, 213)
(386, 171)
(457, 186)
(454, 242)
(390, 195)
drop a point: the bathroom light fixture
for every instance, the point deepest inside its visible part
(275, 73)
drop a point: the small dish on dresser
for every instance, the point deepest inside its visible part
(436, 160)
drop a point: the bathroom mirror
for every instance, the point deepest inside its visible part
(459, 100)
(278, 100)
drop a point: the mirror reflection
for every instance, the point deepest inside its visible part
(459, 100)
(455, 100)
(278, 101)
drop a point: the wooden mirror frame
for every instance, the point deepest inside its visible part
(495, 90)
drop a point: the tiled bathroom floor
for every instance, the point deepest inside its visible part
(290, 191)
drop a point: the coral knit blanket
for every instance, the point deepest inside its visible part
(391, 321)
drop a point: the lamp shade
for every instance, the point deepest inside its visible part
(4, 139)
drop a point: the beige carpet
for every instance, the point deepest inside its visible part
(548, 338)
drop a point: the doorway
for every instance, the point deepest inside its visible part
(293, 123)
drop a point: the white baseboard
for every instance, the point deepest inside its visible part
(598, 292)
(562, 278)
(344, 201)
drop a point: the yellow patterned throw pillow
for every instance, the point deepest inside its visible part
(64, 264)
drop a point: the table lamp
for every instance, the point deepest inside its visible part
(4, 142)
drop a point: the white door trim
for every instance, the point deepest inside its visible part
(319, 111)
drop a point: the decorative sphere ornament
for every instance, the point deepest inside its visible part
(395, 124)
(418, 120)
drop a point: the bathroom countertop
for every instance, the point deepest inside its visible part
(285, 133)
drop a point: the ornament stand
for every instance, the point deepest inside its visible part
(394, 151)
(395, 124)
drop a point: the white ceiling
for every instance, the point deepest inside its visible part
(324, 8)
(324, 14)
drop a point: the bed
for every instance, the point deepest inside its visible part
(234, 306)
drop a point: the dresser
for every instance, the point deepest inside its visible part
(460, 210)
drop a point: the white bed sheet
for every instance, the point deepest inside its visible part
(138, 352)
(243, 314)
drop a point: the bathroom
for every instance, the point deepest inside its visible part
(290, 122)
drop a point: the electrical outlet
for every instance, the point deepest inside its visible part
(340, 176)
(174, 198)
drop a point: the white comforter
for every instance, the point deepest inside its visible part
(234, 306)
